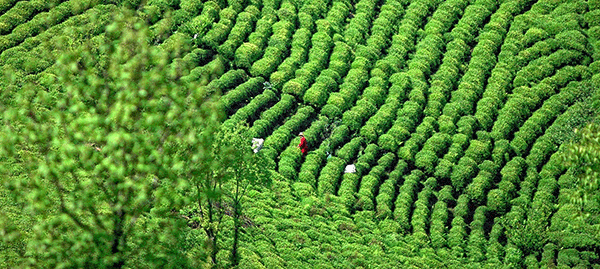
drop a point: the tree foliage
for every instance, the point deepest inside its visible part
(583, 157)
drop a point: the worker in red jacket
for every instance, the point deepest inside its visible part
(303, 145)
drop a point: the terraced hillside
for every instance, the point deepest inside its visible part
(453, 112)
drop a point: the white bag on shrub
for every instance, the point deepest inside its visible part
(257, 144)
(350, 169)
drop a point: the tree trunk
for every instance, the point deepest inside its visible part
(235, 259)
(212, 235)
(117, 237)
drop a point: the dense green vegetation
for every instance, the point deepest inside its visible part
(472, 124)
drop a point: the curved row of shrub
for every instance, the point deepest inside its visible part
(350, 181)
(27, 28)
(384, 201)
(405, 199)
(244, 25)
(251, 111)
(249, 52)
(37, 53)
(369, 184)
(22, 12)
(276, 142)
(270, 117)
(365, 56)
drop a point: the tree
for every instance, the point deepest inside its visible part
(583, 157)
(101, 159)
(247, 169)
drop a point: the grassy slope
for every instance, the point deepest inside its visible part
(294, 227)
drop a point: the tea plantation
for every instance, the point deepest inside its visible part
(462, 119)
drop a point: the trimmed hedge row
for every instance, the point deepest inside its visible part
(21, 12)
(324, 84)
(378, 124)
(535, 125)
(338, 12)
(349, 185)
(330, 176)
(478, 188)
(298, 53)
(411, 147)
(405, 200)
(203, 75)
(288, 130)
(483, 55)
(338, 103)
(200, 24)
(19, 26)
(476, 248)
(438, 227)
(498, 199)
(359, 26)
(249, 52)
(309, 172)
(502, 74)
(406, 118)
(495, 249)
(524, 99)
(544, 199)
(447, 74)
(220, 30)
(244, 25)
(387, 191)
(7, 5)
(313, 163)
(318, 54)
(328, 79)
(456, 236)
(367, 159)
(420, 217)
(349, 151)
(456, 150)
(290, 160)
(463, 172)
(234, 80)
(251, 111)
(275, 52)
(39, 52)
(270, 117)
(369, 183)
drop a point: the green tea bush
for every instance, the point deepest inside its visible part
(443, 169)
(246, 54)
(463, 172)
(404, 201)
(348, 189)
(367, 159)
(438, 227)
(365, 195)
(456, 236)
(419, 220)
(349, 151)
(330, 175)
(446, 195)
(477, 241)
(242, 93)
(497, 200)
(272, 57)
(478, 150)
(410, 148)
(502, 152)
(426, 160)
